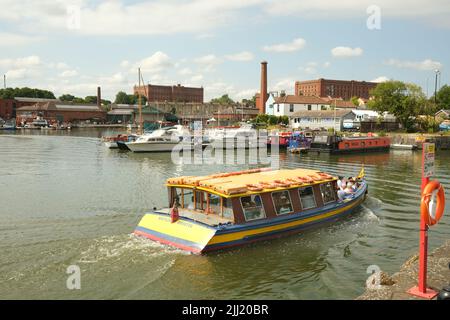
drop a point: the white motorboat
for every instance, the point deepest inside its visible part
(244, 137)
(161, 140)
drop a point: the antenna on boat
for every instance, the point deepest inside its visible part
(140, 103)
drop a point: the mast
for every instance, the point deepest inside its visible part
(140, 130)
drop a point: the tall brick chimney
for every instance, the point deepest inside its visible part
(99, 97)
(263, 92)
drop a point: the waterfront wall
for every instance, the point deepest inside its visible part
(442, 141)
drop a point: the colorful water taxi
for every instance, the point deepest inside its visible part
(218, 211)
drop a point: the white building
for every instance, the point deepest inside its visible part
(320, 119)
(290, 104)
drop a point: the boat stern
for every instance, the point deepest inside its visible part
(184, 234)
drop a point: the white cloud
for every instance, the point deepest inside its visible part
(8, 39)
(185, 72)
(345, 52)
(380, 79)
(310, 68)
(125, 64)
(68, 73)
(158, 62)
(425, 65)
(286, 84)
(16, 74)
(26, 62)
(326, 64)
(208, 62)
(436, 11)
(120, 17)
(241, 56)
(292, 46)
(245, 94)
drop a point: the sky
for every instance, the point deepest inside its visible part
(74, 46)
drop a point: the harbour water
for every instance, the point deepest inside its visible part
(67, 200)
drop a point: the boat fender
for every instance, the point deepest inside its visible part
(433, 190)
(254, 187)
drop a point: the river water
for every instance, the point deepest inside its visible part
(67, 200)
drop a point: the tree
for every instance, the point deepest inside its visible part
(250, 102)
(122, 98)
(11, 93)
(273, 120)
(91, 99)
(355, 101)
(262, 118)
(403, 100)
(225, 99)
(66, 97)
(443, 98)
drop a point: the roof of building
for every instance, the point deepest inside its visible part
(321, 113)
(238, 182)
(61, 106)
(334, 80)
(120, 112)
(294, 99)
(26, 99)
(369, 113)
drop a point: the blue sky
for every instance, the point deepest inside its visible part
(74, 46)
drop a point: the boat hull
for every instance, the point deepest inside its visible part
(196, 237)
(151, 147)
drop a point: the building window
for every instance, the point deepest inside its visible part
(327, 191)
(278, 108)
(307, 198)
(253, 207)
(309, 107)
(282, 202)
(323, 108)
(291, 108)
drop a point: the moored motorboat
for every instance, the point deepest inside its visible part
(111, 141)
(162, 140)
(208, 213)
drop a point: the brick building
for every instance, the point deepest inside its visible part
(60, 112)
(8, 106)
(334, 88)
(178, 93)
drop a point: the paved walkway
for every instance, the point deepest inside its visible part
(438, 277)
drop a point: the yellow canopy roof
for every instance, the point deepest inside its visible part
(252, 180)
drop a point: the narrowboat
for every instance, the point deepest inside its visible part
(337, 144)
(280, 138)
(209, 213)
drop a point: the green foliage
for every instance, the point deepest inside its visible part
(225, 99)
(262, 118)
(11, 93)
(382, 133)
(273, 120)
(67, 97)
(122, 98)
(250, 102)
(443, 98)
(91, 99)
(355, 101)
(403, 100)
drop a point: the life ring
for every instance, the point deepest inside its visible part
(431, 190)
(282, 184)
(254, 187)
(325, 175)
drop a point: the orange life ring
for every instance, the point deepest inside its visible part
(254, 187)
(433, 187)
(282, 184)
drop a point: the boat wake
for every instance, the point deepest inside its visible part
(121, 247)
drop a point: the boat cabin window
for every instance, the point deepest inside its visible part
(328, 192)
(227, 208)
(307, 198)
(253, 207)
(214, 204)
(282, 202)
(188, 199)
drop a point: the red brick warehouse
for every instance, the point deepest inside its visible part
(334, 88)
